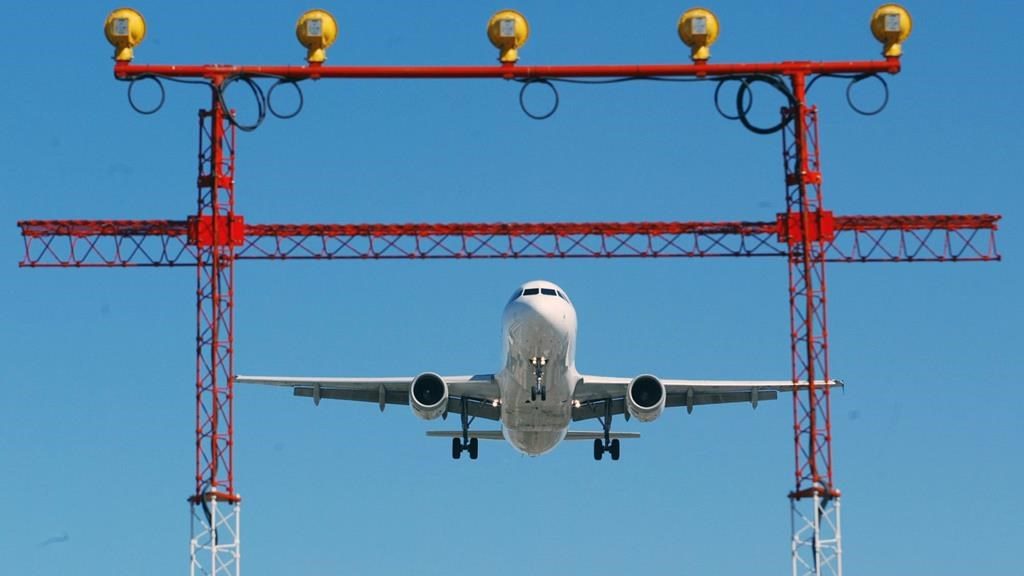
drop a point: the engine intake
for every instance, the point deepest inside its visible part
(428, 396)
(645, 398)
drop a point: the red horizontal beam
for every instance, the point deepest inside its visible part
(127, 70)
(98, 243)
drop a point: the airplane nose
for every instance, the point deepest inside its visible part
(540, 309)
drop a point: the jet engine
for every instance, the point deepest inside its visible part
(428, 396)
(645, 398)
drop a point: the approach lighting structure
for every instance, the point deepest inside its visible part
(316, 30)
(891, 25)
(698, 29)
(508, 30)
(125, 28)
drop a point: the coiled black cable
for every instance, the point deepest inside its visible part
(264, 99)
(522, 94)
(743, 108)
(855, 79)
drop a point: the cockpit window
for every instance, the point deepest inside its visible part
(548, 292)
(531, 291)
(562, 296)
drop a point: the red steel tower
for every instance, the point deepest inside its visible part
(806, 235)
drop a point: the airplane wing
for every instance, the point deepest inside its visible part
(478, 393)
(497, 434)
(593, 393)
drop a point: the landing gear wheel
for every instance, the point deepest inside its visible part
(457, 448)
(543, 393)
(533, 394)
(473, 448)
(614, 449)
(598, 449)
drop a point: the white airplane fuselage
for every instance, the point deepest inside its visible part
(537, 329)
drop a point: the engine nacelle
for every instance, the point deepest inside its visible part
(428, 396)
(645, 398)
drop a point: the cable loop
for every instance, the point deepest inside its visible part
(270, 99)
(131, 95)
(258, 95)
(263, 98)
(522, 101)
(862, 111)
(718, 105)
(744, 89)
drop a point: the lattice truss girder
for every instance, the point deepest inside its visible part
(99, 243)
(816, 542)
(215, 545)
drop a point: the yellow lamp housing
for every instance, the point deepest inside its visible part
(891, 25)
(125, 28)
(698, 29)
(316, 30)
(508, 30)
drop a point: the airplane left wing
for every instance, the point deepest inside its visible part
(598, 395)
(477, 394)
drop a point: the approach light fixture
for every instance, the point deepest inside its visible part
(698, 29)
(316, 30)
(891, 25)
(125, 28)
(508, 30)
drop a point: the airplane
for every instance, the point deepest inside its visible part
(538, 392)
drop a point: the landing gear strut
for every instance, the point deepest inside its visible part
(608, 445)
(539, 389)
(465, 444)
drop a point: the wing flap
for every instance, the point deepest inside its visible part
(586, 435)
(481, 434)
(675, 399)
(358, 395)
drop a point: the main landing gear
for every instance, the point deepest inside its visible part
(458, 447)
(601, 447)
(539, 389)
(608, 445)
(465, 444)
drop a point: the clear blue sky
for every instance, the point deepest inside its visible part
(96, 425)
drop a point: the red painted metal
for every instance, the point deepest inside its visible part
(220, 230)
(127, 70)
(807, 256)
(130, 243)
(211, 230)
(821, 226)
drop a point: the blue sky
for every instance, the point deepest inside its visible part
(96, 427)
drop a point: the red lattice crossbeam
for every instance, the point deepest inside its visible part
(112, 243)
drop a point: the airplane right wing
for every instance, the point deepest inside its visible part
(601, 395)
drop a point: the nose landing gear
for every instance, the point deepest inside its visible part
(539, 389)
